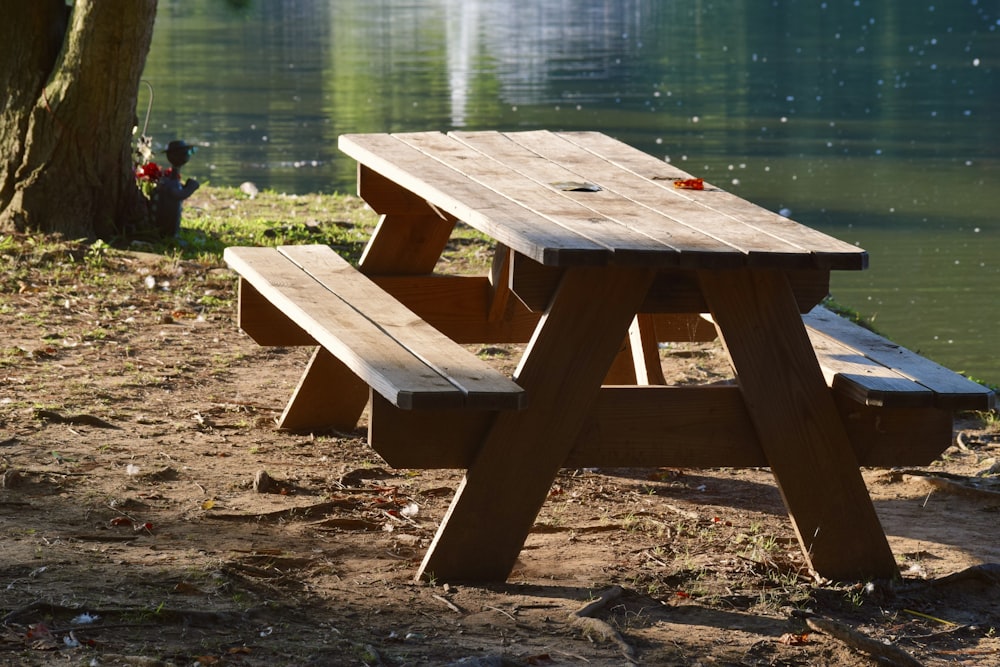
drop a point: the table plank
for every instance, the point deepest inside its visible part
(482, 208)
(702, 223)
(560, 212)
(827, 251)
(525, 158)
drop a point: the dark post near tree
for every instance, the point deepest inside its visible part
(70, 78)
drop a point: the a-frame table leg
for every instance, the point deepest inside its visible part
(798, 425)
(502, 492)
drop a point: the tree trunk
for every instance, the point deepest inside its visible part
(66, 129)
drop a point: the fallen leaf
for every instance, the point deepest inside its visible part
(690, 183)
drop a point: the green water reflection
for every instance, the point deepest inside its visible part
(871, 120)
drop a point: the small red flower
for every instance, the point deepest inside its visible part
(148, 172)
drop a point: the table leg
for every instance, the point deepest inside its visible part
(497, 501)
(797, 422)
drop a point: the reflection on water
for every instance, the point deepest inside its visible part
(869, 119)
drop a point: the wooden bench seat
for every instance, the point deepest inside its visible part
(861, 365)
(310, 295)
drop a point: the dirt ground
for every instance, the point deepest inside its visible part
(136, 527)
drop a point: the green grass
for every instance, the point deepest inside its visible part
(219, 217)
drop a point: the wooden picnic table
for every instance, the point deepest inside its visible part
(597, 236)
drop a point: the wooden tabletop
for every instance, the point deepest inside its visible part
(583, 198)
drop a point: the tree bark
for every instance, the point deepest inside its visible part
(66, 153)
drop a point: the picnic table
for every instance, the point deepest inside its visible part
(599, 256)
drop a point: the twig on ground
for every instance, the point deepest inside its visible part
(892, 655)
(448, 603)
(595, 626)
(507, 614)
(31, 606)
(957, 484)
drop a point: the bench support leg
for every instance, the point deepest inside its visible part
(645, 351)
(638, 361)
(406, 244)
(328, 396)
(509, 480)
(622, 369)
(410, 234)
(798, 425)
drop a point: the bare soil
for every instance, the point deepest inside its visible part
(152, 514)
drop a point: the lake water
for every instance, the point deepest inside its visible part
(874, 121)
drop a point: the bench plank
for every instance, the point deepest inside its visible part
(482, 385)
(943, 388)
(397, 354)
(856, 376)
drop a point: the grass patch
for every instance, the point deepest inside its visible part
(219, 217)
